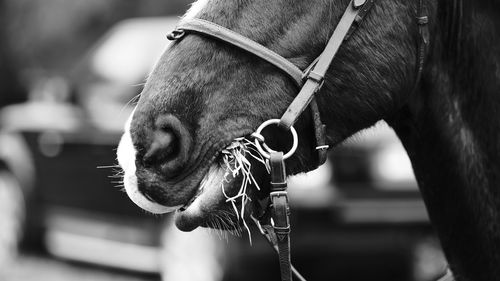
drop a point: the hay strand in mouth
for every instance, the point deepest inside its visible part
(235, 158)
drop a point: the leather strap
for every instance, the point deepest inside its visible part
(319, 134)
(280, 213)
(278, 172)
(363, 11)
(268, 232)
(315, 77)
(211, 29)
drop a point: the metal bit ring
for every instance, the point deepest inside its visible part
(265, 150)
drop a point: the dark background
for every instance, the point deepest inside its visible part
(46, 37)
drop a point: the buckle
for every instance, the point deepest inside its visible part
(281, 230)
(279, 186)
(278, 194)
(318, 78)
(423, 20)
(315, 76)
(322, 147)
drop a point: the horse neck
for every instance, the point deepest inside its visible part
(451, 130)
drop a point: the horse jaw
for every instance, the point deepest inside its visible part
(126, 155)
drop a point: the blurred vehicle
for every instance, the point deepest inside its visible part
(67, 136)
(360, 210)
(12, 215)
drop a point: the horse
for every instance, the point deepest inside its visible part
(203, 94)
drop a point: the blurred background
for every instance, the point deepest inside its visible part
(69, 73)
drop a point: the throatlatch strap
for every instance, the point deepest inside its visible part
(319, 134)
(280, 213)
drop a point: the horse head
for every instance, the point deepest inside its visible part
(203, 94)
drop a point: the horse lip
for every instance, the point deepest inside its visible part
(150, 205)
(144, 202)
(208, 196)
(198, 193)
(193, 214)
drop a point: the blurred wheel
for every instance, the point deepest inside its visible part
(12, 215)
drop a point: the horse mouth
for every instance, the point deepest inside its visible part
(223, 195)
(196, 212)
(219, 199)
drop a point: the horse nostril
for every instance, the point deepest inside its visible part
(165, 147)
(169, 146)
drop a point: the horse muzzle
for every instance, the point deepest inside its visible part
(126, 154)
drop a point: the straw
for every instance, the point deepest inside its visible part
(235, 162)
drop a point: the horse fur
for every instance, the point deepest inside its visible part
(452, 136)
(449, 125)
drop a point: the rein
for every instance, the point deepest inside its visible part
(274, 224)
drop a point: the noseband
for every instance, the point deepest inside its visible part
(275, 224)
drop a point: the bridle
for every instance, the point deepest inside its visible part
(274, 223)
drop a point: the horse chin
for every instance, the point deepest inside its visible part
(208, 200)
